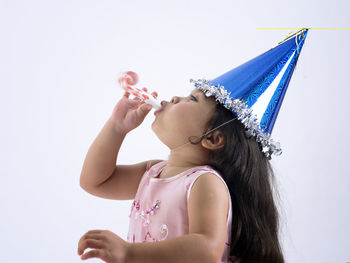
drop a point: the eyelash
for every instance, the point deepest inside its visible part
(193, 97)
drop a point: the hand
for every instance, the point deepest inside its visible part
(130, 113)
(109, 247)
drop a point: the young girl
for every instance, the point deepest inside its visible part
(211, 201)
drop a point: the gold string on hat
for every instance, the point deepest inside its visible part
(290, 35)
(296, 33)
(296, 40)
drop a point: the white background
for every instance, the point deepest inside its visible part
(59, 64)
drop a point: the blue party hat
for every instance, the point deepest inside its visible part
(254, 91)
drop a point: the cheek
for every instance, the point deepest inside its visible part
(182, 121)
(186, 121)
(180, 111)
(175, 114)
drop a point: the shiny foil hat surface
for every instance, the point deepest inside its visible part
(254, 91)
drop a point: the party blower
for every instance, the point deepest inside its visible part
(128, 80)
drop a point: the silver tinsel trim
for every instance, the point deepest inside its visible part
(244, 114)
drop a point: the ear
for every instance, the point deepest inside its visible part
(213, 141)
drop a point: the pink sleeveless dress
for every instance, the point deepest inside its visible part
(159, 210)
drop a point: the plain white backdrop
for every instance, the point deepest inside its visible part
(59, 64)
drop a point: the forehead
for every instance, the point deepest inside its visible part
(201, 95)
(198, 92)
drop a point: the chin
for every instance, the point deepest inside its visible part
(154, 129)
(152, 126)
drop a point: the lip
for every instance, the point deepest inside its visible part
(161, 109)
(157, 111)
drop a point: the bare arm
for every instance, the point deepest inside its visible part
(190, 248)
(100, 175)
(123, 183)
(100, 161)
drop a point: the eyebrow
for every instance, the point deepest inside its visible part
(198, 93)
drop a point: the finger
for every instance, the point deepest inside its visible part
(135, 103)
(96, 253)
(143, 110)
(154, 93)
(90, 243)
(82, 242)
(137, 98)
(89, 233)
(94, 231)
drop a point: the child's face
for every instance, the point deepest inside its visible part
(183, 117)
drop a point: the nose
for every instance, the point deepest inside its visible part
(174, 99)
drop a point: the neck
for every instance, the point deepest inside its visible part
(187, 157)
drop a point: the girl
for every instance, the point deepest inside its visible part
(211, 201)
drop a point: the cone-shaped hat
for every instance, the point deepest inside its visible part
(254, 91)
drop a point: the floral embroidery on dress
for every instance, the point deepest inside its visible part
(149, 238)
(136, 205)
(162, 236)
(163, 232)
(146, 213)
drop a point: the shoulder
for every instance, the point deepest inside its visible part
(210, 180)
(209, 186)
(209, 183)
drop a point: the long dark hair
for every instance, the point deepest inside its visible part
(250, 179)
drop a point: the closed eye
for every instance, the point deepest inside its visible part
(193, 98)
